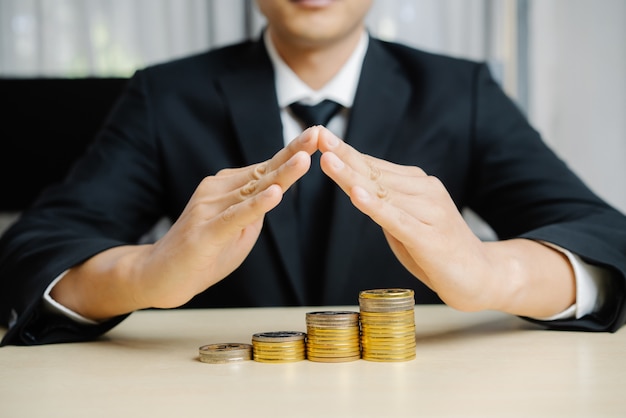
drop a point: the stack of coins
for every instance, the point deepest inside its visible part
(279, 346)
(387, 324)
(333, 336)
(225, 353)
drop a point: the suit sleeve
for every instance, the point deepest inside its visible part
(523, 189)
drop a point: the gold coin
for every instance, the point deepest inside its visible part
(280, 360)
(389, 333)
(281, 353)
(334, 333)
(332, 315)
(410, 313)
(388, 359)
(281, 356)
(270, 349)
(388, 349)
(311, 356)
(333, 359)
(333, 348)
(332, 326)
(277, 345)
(400, 349)
(352, 343)
(386, 293)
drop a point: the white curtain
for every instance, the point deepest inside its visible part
(113, 37)
(110, 37)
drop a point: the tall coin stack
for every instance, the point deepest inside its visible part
(333, 336)
(387, 324)
(279, 346)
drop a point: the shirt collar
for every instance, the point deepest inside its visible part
(341, 88)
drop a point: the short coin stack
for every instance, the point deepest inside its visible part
(387, 324)
(333, 336)
(225, 353)
(279, 346)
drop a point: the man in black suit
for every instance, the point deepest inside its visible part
(417, 137)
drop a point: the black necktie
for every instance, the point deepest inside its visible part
(318, 114)
(313, 194)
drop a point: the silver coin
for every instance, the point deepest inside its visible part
(279, 336)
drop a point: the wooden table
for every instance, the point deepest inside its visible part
(468, 365)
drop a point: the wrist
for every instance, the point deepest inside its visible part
(530, 279)
(505, 274)
(106, 285)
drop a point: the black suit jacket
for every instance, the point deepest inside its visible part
(181, 121)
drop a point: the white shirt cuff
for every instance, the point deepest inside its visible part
(589, 287)
(55, 307)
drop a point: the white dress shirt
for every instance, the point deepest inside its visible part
(342, 89)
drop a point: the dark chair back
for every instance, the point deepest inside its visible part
(45, 125)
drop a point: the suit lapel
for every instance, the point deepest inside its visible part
(381, 99)
(251, 95)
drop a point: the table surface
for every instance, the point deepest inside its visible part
(483, 364)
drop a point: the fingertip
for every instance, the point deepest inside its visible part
(272, 191)
(327, 140)
(298, 158)
(271, 197)
(305, 136)
(309, 135)
(332, 160)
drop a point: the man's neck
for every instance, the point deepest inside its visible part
(317, 65)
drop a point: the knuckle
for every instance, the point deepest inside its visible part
(248, 189)
(259, 171)
(382, 192)
(434, 183)
(224, 172)
(374, 172)
(228, 214)
(206, 183)
(416, 172)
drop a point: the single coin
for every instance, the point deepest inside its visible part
(386, 293)
(330, 314)
(333, 359)
(279, 336)
(279, 360)
(388, 358)
(333, 333)
(278, 345)
(279, 356)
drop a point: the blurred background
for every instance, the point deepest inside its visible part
(562, 61)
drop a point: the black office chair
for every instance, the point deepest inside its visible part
(45, 125)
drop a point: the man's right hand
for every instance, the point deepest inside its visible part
(213, 235)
